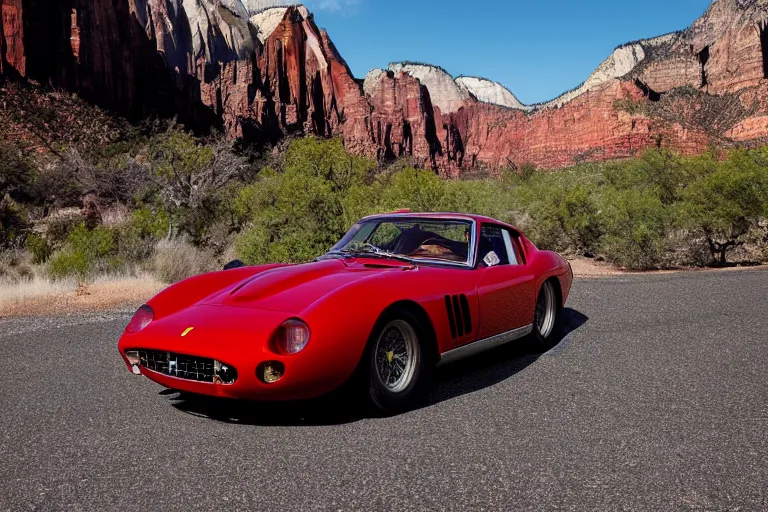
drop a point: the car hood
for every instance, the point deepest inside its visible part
(294, 288)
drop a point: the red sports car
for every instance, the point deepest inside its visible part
(398, 295)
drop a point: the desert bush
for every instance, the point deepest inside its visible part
(415, 190)
(635, 229)
(39, 248)
(566, 216)
(176, 260)
(15, 266)
(299, 211)
(56, 187)
(59, 226)
(85, 253)
(17, 171)
(117, 177)
(725, 205)
(14, 223)
(190, 174)
(136, 239)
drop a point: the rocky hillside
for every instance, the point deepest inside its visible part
(263, 73)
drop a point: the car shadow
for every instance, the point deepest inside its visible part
(341, 407)
(490, 368)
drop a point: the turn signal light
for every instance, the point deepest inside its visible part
(133, 359)
(270, 372)
(142, 318)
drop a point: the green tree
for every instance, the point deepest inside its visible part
(300, 212)
(724, 205)
(635, 228)
(190, 174)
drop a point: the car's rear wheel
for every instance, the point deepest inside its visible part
(397, 366)
(545, 317)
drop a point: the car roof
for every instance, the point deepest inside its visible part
(439, 215)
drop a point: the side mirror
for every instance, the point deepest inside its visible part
(234, 264)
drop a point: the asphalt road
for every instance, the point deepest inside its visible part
(655, 399)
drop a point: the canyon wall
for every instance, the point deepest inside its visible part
(263, 73)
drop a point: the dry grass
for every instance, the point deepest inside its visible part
(176, 260)
(41, 296)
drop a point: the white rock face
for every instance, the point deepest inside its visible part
(222, 30)
(623, 60)
(219, 28)
(444, 91)
(266, 21)
(256, 6)
(372, 79)
(490, 92)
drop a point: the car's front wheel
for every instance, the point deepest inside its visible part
(397, 365)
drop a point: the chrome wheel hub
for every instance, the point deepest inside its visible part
(396, 355)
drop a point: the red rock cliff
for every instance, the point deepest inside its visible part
(264, 75)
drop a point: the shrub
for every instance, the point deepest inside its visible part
(85, 253)
(60, 226)
(14, 266)
(725, 205)
(566, 216)
(14, 223)
(299, 213)
(70, 263)
(176, 260)
(38, 248)
(635, 234)
(136, 240)
(417, 190)
(17, 171)
(190, 174)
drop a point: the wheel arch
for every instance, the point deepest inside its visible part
(424, 320)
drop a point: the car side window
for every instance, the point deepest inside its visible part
(492, 249)
(498, 246)
(510, 246)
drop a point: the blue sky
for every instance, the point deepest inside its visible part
(537, 49)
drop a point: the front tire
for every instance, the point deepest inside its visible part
(545, 317)
(397, 363)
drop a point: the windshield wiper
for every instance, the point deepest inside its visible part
(383, 256)
(372, 252)
(368, 252)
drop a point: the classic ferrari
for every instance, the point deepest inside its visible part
(400, 294)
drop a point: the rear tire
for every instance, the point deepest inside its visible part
(545, 318)
(397, 365)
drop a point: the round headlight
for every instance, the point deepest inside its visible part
(292, 336)
(143, 316)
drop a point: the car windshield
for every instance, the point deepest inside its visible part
(413, 239)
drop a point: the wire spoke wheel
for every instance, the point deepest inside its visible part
(546, 310)
(396, 355)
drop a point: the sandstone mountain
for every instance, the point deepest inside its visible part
(262, 73)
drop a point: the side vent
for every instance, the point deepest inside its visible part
(459, 317)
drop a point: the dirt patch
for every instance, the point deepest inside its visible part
(584, 267)
(104, 295)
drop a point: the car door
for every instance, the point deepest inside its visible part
(505, 289)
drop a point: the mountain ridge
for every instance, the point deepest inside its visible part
(262, 72)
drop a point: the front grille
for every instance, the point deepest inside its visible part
(199, 369)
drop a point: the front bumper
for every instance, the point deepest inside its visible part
(228, 335)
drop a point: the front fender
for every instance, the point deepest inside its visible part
(344, 319)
